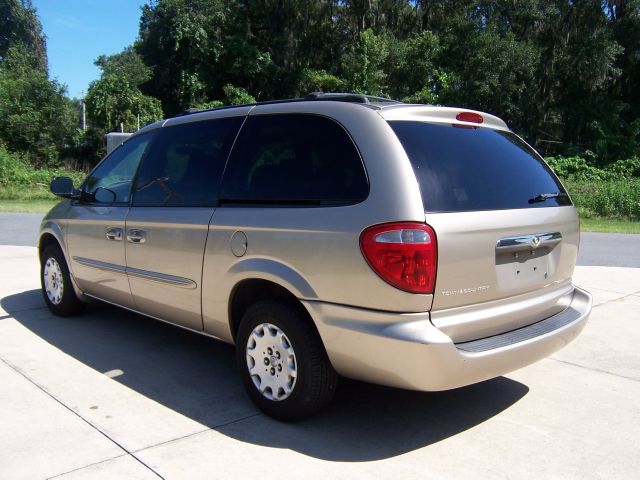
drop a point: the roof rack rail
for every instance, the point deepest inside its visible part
(188, 111)
(349, 97)
(314, 96)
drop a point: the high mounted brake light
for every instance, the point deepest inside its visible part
(402, 254)
(470, 117)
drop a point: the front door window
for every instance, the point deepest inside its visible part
(111, 181)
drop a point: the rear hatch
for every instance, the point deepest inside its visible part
(506, 229)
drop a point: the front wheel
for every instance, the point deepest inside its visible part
(283, 363)
(57, 289)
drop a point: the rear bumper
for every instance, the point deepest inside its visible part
(407, 351)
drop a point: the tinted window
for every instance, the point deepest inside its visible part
(185, 163)
(294, 159)
(111, 181)
(463, 169)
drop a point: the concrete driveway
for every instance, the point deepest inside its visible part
(111, 394)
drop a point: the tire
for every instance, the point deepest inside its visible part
(292, 376)
(55, 280)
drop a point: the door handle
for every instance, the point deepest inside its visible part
(135, 235)
(114, 234)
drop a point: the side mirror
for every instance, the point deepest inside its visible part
(63, 187)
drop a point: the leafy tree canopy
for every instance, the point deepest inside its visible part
(36, 117)
(19, 25)
(562, 73)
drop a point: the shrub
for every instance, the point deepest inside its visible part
(581, 168)
(612, 198)
(578, 168)
(628, 168)
(19, 180)
(612, 191)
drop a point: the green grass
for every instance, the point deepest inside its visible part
(27, 206)
(608, 225)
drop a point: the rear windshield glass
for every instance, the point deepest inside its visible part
(465, 169)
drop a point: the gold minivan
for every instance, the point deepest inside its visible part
(412, 246)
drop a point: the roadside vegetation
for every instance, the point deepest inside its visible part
(612, 192)
(608, 200)
(21, 181)
(563, 75)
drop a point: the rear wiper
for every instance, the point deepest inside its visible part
(545, 196)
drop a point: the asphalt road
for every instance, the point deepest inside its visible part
(20, 229)
(596, 249)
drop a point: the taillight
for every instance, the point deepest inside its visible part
(402, 254)
(472, 117)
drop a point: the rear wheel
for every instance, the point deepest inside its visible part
(283, 363)
(57, 289)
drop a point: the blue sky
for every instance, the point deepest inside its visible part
(78, 31)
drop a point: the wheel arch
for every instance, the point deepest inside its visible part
(47, 239)
(252, 290)
(51, 234)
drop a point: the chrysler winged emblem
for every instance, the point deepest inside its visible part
(535, 241)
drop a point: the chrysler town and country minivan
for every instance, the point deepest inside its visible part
(413, 246)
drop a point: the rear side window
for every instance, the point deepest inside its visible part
(466, 169)
(294, 160)
(184, 164)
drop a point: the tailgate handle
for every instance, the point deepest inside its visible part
(528, 242)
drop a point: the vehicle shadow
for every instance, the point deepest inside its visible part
(196, 377)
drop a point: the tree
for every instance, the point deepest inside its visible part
(183, 41)
(562, 73)
(363, 64)
(113, 102)
(237, 95)
(19, 25)
(35, 116)
(126, 64)
(414, 76)
(494, 73)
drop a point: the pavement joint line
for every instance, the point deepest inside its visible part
(44, 390)
(208, 429)
(632, 294)
(231, 422)
(58, 475)
(603, 290)
(598, 370)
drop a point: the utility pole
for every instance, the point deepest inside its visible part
(83, 110)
